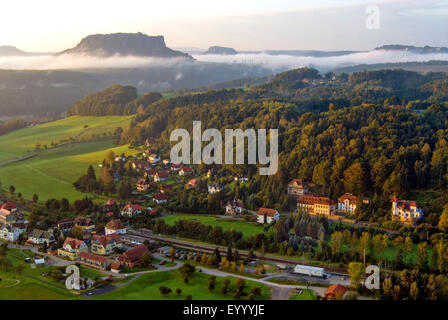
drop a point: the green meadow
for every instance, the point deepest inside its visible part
(51, 173)
(246, 228)
(18, 143)
(146, 287)
(31, 285)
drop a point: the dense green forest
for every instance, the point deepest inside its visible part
(115, 100)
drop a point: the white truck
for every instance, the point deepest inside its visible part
(310, 271)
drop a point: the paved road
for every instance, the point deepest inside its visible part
(279, 287)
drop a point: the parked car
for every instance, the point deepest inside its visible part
(162, 262)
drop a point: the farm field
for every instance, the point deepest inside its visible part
(20, 142)
(51, 173)
(246, 228)
(146, 287)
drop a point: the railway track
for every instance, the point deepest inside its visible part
(210, 249)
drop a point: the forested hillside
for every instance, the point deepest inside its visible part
(113, 101)
(358, 134)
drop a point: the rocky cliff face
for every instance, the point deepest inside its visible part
(220, 50)
(125, 44)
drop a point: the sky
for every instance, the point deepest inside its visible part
(54, 25)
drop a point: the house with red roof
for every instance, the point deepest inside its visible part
(142, 185)
(72, 247)
(266, 215)
(140, 165)
(296, 188)
(160, 198)
(85, 223)
(161, 176)
(176, 166)
(114, 226)
(105, 245)
(335, 292)
(235, 207)
(166, 188)
(115, 267)
(131, 210)
(65, 225)
(93, 260)
(149, 173)
(110, 205)
(185, 171)
(314, 204)
(191, 184)
(131, 257)
(406, 211)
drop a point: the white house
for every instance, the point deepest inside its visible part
(235, 207)
(153, 158)
(114, 226)
(347, 203)
(406, 211)
(160, 198)
(215, 188)
(131, 210)
(40, 236)
(10, 233)
(266, 215)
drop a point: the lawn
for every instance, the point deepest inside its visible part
(305, 295)
(246, 228)
(36, 288)
(20, 142)
(51, 174)
(146, 287)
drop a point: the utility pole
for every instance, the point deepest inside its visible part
(364, 256)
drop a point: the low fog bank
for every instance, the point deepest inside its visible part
(274, 63)
(285, 62)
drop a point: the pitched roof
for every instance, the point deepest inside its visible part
(135, 253)
(92, 256)
(296, 181)
(166, 187)
(349, 197)
(36, 233)
(266, 211)
(83, 221)
(160, 196)
(186, 169)
(73, 242)
(132, 206)
(9, 205)
(311, 200)
(114, 225)
(162, 173)
(335, 289)
(116, 265)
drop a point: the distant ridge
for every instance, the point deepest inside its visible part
(421, 50)
(221, 50)
(10, 51)
(125, 44)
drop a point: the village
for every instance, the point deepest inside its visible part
(121, 247)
